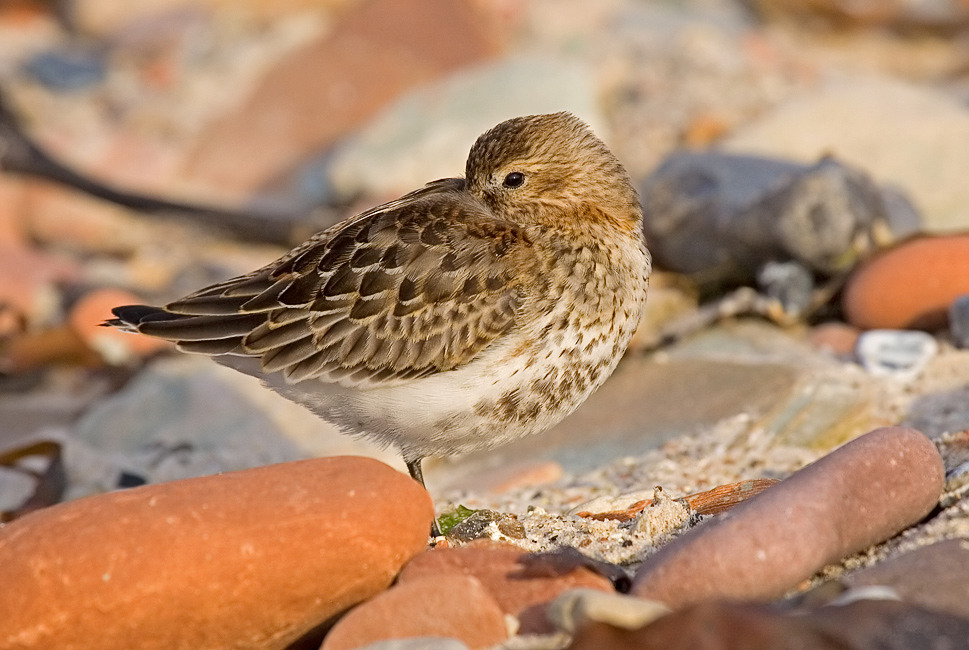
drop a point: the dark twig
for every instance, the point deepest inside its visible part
(21, 155)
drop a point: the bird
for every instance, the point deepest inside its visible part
(463, 315)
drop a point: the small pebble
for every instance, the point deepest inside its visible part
(577, 607)
(835, 338)
(896, 353)
(790, 283)
(910, 286)
(959, 321)
(476, 526)
(68, 69)
(662, 515)
(486, 524)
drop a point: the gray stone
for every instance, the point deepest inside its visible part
(935, 576)
(187, 416)
(67, 69)
(751, 342)
(15, 488)
(902, 134)
(959, 321)
(826, 402)
(427, 134)
(826, 408)
(176, 419)
(722, 217)
(790, 283)
(46, 409)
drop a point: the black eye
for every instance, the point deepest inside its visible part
(514, 179)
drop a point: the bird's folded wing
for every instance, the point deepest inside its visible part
(414, 287)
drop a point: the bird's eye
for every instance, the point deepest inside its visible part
(514, 179)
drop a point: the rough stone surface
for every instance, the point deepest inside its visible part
(455, 606)
(246, 559)
(910, 286)
(521, 583)
(855, 496)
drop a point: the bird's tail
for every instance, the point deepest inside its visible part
(214, 335)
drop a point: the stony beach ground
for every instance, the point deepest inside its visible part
(783, 469)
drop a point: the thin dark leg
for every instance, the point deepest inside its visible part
(414, 467)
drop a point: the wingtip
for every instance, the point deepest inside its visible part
(134, 314)
(128, 318)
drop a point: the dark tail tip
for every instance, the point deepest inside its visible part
(130, 317)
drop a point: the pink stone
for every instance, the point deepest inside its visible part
(522, 583)
(449, 606)
(861, 493)
(835, 338)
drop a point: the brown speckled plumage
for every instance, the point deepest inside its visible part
(462, 315)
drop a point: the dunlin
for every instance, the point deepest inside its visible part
(465, 314)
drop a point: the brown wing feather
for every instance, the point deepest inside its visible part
(414, 287)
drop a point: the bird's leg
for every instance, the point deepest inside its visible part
(414, 467)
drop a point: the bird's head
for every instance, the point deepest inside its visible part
(545, 168)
